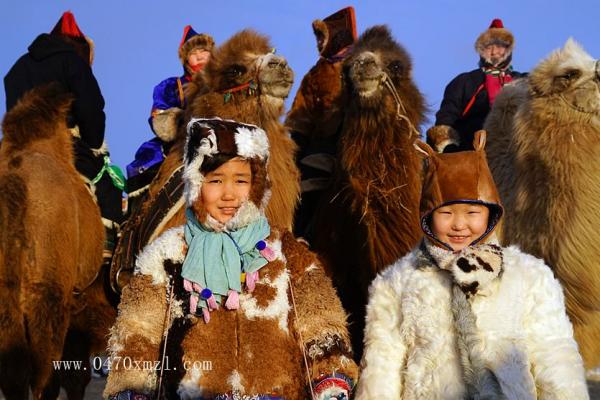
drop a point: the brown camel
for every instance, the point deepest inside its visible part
(370, 217)
(544, 152)
(248, 83)
(52, 303)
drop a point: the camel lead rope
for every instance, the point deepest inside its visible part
(312, 392)
(165, 336)
(399, 105)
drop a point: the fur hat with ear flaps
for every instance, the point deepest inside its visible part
(208, 137)
(495, 34)
(192, 40)
(462, 177)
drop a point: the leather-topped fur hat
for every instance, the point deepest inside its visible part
(495, 34)
(335, 32)
(191, 40)
(208, 137)
(461, 177)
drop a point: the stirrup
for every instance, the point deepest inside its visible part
(112, 230)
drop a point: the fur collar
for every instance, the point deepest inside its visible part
(474, 269)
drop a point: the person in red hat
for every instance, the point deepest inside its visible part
(168, 101)
(65, 55)
(469, 96)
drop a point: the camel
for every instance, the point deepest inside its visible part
(52, 301)
(544, 153)
(370, 217)
(243, 81)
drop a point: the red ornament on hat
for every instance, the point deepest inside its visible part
(497, 23)
(68, 26)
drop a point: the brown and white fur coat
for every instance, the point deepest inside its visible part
(257, 349)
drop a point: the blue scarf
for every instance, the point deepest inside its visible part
(215, 260)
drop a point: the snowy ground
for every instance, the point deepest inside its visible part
(94, 390)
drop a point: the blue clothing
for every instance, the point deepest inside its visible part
(168, 94)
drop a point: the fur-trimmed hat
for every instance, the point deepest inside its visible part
(335, 32)
(495, 34)
(191, 40)
(207, 137)
(461, 177)
(68, 30)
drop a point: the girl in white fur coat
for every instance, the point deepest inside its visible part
(461, 317)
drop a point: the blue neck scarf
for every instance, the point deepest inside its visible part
(215, 260)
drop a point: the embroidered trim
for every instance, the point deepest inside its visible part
(325, 381)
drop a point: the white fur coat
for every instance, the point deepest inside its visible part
(525, 337)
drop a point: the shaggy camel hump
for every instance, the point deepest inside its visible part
(51, 240)
(544, 153)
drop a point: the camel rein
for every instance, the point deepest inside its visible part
(400, 109)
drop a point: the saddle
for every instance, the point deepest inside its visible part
(142, 227)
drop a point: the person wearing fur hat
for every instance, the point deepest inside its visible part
(316, 114)
(469, 97)
(168, 100)
(461, 317)
(238, 309)
(65, 56)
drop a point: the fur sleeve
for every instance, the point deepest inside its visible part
(557, 366)
(134, 343)
(319, 319)
(384, 350)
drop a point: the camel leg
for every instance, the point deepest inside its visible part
(15, 373)
(76, 348)
(52, 389)
(47, 331)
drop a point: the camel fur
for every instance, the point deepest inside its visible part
(52, 306)
(370, 217)
(544, 153)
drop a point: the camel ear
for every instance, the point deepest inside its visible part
(321, 34)
(479, 141)
(423, 149)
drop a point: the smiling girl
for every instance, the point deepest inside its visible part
(461, 317)
(239, 308)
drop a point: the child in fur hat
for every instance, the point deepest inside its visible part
(169, 99)
(232, 307)
(469, 97)
(461, 317)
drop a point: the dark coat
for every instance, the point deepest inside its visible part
(457, 95)
(51, 59)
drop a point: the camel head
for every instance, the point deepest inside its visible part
(375, 59)
(571, 75)
(247, 60)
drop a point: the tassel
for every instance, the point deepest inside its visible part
(233, 300)
(251, 278)
(265, 251)
(206, 315)
(193, 302)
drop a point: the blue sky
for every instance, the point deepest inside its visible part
(136, 41)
